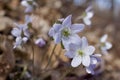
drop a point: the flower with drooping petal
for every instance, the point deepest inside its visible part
(80, 53)
(105, 45)
(87, 16)
(29, 4)
(21, 33)
(66, 32)
(40, 42)
(95, 59)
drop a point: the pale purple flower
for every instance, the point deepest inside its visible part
(40, 42)
(66, 32)
(95, 59)
(80, 53)
(29, 4)
(21, 33)
(28, 19)
(105, 45)
(79, 2)
(88, 15)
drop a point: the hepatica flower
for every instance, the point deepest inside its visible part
(21, 33)
(94, 59)
(40, 42)
(29, 4)
(81, 53)
(87, 15)
(105, 45)
(66, 32)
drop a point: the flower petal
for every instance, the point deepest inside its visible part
(57, 27)
(90, 14)
(16, 32)
(75, 39)
(51, 32)
(25, 39)
(89, 50)
(103, 38)
(67, 21)
(108, 45)
(87, 21)
(76, 61)
(90, 69)
(77, 28)
(57, 38)
(70, 54)
(84, 42)
(86, 60)
(18, 42)
(28, 19)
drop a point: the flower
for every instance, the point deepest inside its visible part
(95, 59)
(79, 2)
(105, 45)
(80, 53)
(87, 16)
(29, 4)
(40, 42)
(21, 33)
(28, 19)
(66, 32)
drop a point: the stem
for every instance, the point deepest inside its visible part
(49, 60)
(33, 58)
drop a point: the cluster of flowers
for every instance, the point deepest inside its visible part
(65, 33)
(21, 32)
(76, 47)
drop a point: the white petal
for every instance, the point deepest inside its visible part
(89, 50)
(76, 61)
(77, 28)
(84, 42)
(86, 60)
(108, 45)
(16, 32)
(24, 3)
(25, 39)
(87, 21)
(67, 21)
(103, 38)
(18, 42)
(89, 14)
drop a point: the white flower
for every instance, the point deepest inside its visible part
(29, 4)
(80, 53)
(87, 16)
(21, 33)
(66, 32)
(105, 45)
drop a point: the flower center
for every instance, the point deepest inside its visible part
(22, 34)
(102, 44)
(84, 14)
(65, 32)
(80, 52)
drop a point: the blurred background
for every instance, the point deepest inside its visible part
(17, 64)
